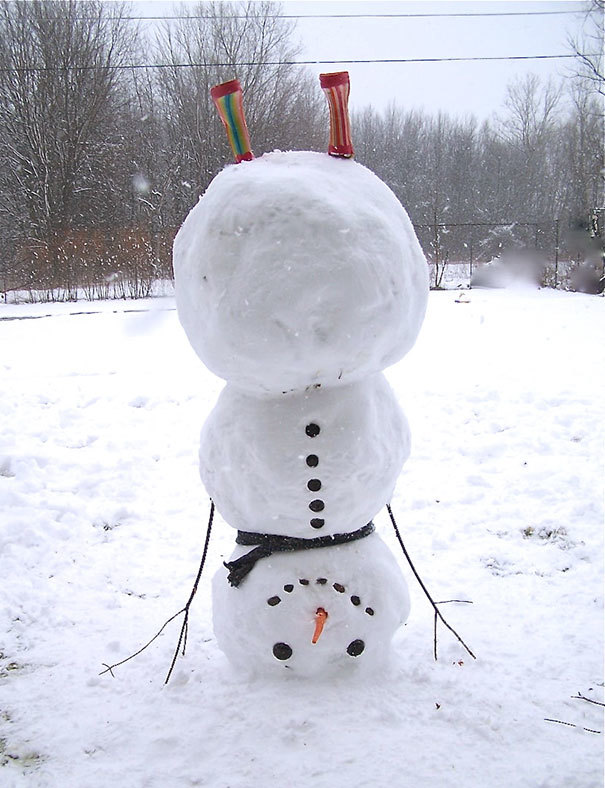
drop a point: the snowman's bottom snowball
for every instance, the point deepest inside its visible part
(267, 624)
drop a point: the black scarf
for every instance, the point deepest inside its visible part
(272, 543)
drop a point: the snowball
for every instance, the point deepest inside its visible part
(299, 268)
(268, 622)
(266, 469)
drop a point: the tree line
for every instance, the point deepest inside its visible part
(101, 159)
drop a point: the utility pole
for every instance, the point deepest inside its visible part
(556, 253)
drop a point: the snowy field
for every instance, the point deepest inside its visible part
(102, 519)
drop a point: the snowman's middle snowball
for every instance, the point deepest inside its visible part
(319, 462)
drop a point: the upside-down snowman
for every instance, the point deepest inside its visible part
(298, 280)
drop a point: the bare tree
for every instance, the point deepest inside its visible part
(59, 94)
(582, 152)
(57, 82)
(216, 42)
(588, 46)
(532, 112)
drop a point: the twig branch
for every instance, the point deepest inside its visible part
(435, 621)
(185, 627)
(424, 588)
(109, 668)
(579, 696)
(571, 725)
(460, 601)
(185, 610)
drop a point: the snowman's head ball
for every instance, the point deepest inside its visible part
(298, 269)
(268, 624)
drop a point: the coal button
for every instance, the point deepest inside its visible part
(282, 651)
(312, 460)
(314, 485)
(317, 522)
(317, 505)
(356, 648)
(312, 430)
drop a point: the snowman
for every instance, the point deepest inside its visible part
(299, 279)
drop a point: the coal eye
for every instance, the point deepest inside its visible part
(355, 648)
(283, 651)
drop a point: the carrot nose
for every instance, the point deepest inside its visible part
(320, 620)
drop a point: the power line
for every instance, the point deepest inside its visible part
(360, 16)
(133, 66)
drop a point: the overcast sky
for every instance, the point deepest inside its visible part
(477, 88)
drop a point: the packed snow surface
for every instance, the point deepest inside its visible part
(102, 523)
(299, 268)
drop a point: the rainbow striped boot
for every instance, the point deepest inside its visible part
(229, 103)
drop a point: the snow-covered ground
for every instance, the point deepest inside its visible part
(102, 519)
